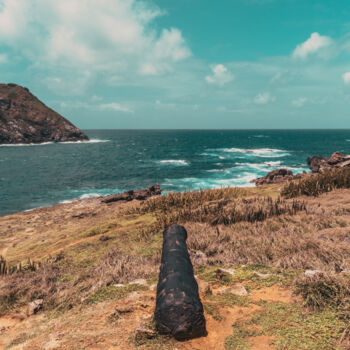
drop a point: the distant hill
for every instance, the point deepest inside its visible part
(25, 119)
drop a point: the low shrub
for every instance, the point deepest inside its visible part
(314, 185)
(323, 290)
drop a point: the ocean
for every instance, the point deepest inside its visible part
(113, 161)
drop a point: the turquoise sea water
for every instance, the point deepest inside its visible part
(114, 161)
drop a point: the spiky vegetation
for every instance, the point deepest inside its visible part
(190, 199)
(215, 207)
(6, 269)
(314, 185)
(322, 290)
(50, 281)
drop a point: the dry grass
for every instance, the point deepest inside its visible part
(314, 185)
(275, 242)
(215, 207)
(63, 288)
(322, 290)
(231, 212)
(190, 199)
(228, 227)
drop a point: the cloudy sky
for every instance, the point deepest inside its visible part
(184, 63)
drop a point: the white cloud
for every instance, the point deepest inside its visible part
(299, 102)
(221, 75)
(264, 98)
(107, 35)
(346, 77)
(162, 105)
(3, 58)
(311, 45)
(115, 107)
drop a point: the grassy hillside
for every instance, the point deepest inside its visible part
(85, 257)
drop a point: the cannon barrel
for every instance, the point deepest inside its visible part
(179, 311)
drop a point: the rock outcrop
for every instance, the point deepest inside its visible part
(319, 164)
(277, 176)
(25, 119)
(128, 196)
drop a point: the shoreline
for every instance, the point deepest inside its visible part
(52, 143)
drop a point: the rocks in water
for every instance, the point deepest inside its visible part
(128, 196)
(25, 119)
(319, 164)
(179, 311)
(34, 307)
(277, 176)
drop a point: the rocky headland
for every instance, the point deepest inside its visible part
(25, 119)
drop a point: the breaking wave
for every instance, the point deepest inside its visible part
(179, 162)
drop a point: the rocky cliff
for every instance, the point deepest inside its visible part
(25, 119)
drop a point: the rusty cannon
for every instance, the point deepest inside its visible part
(179, 311)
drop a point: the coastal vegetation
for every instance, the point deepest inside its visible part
(101, 261)
(317, 184)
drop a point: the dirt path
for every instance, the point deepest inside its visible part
(98, 330)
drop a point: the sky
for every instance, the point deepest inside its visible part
(184, 64)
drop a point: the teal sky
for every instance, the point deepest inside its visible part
(182, 64)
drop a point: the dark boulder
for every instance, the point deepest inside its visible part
(276, 176)
(315, 162)
(128, 196)
(179, 311)
(319, 164)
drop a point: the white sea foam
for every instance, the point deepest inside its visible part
(259, 152)
(273, 163)
(66, 201)
(85, 141)
(89, 195)
(297, 170)
(180, 162)
(75, 195)
(25, 144)
(52, 143)
(193, 183)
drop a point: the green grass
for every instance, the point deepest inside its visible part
(229, 299)
(111, 292)
(250, 275)
(294, 329)
(211, 309)
(291, 328)
(239, 339)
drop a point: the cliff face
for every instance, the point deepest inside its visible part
(25, 119)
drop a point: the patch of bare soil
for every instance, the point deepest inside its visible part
(112, 325)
